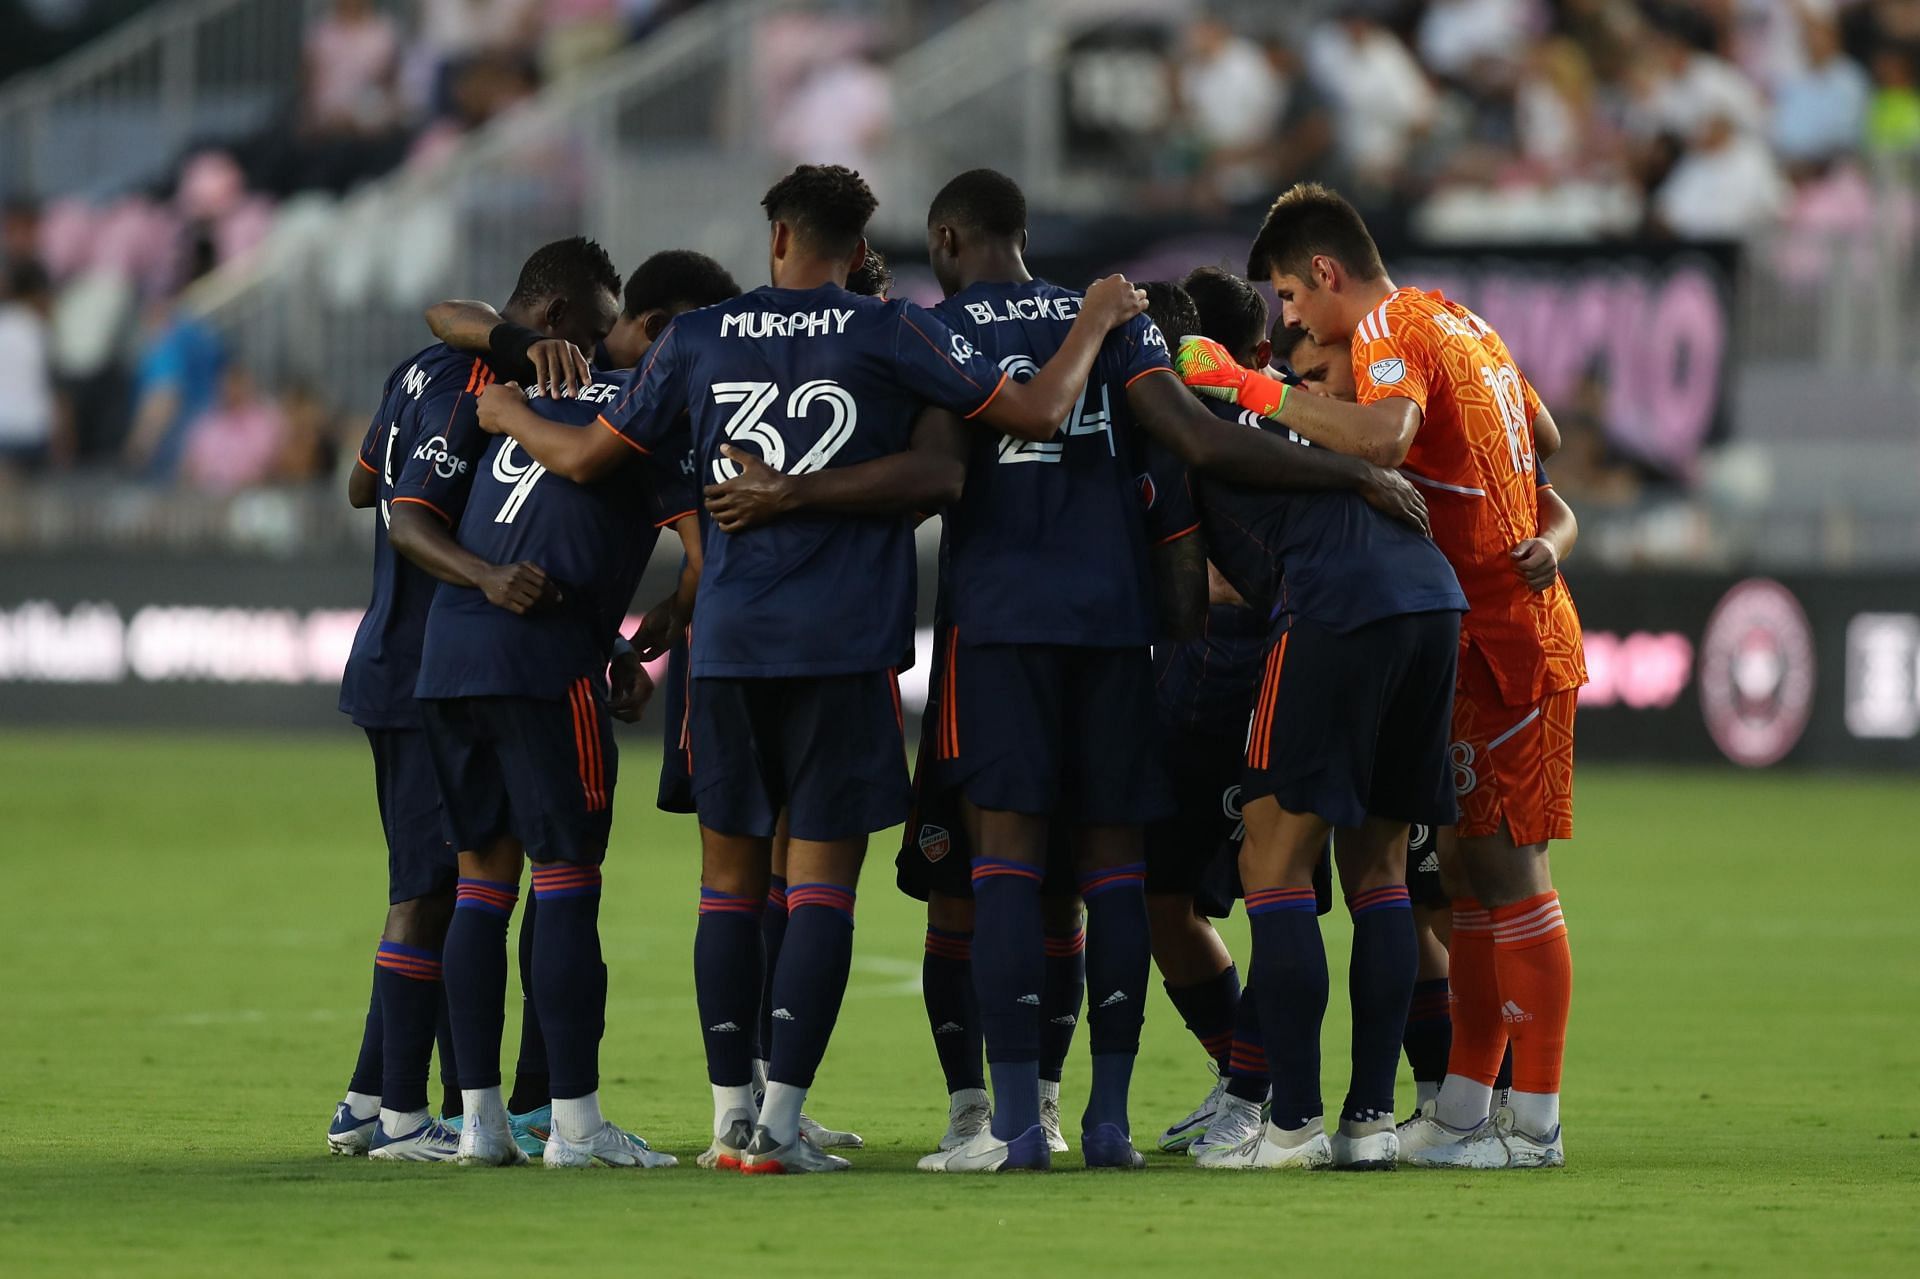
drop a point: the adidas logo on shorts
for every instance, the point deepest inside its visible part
(1430, 864)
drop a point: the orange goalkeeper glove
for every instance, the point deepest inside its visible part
(1206, 366)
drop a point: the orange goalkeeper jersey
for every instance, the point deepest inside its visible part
(1474, 462)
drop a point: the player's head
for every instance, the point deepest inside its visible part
(568, 290)
(1171, 310)
(981, 211)
(874, 278)
(818, 216)
(1232, 313)
(660, 288)
(1315, 250)
(1320, 369)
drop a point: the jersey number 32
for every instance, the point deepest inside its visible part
(749, 424)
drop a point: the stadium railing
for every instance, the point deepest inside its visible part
(118, 112)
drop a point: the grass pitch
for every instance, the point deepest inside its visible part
(190, 923)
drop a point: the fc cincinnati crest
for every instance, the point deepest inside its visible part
(935, 842)
(1387, 372)
(1147, 492)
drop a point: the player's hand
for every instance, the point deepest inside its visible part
(518, 588)
(1537, 563)
(630, 687)
(1394, 496)
(1210, 369)
(661, 629)
(496, 402)
(558, 367)
(755, 496)
(1220, 590)
(1113, 301)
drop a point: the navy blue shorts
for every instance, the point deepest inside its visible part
(1204, 775)
(1357, 724)
(676, 762)
(541, 771)
(936, 857)
(1423, 868)
(1054, 730)
(420, 861)
(829, 749)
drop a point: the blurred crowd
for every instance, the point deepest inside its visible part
(1561, 119)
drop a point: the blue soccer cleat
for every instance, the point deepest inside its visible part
(531, 1130)
(431, 1143)
(1109, 1146)
(347, 1135)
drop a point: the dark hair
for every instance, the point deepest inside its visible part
(874, 279)
(1310, 221)
(574, 268)
(1287, 340)
(1231, 311)
(1169, 307)
(26, 278)
(983, 200)
(828, 205)
(678, 280)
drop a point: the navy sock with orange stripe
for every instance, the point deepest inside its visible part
(810, 981)
(367, 1066)
(773, 935)
(569, 978)
(451, 1104)
(1061, 995)
(530, 1091)
(474, 959)
(1429, 1035)
(410, 998)
(1009, 974)
(1119, 960)
(1380, 978)
(953, 1014)
(1290, 981)
(727, 968)
(1208, 1009)
(1248, 1076)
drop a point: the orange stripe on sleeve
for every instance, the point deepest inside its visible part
(370, 466)
(991, 397)
(602, 420)
(421, 501)
(1162, 368)
(1174, 537)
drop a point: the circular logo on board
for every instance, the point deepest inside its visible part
(1756, 673)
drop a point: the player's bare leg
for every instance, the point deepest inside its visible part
(1113, 881)
(727, 971)
(1009, 974)
(808, 986)
(953, 1016)
(1288, 975)
(1373, 874)
(1201, 980)
(475, 962)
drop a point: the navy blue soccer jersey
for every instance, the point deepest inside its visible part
(593, 541)
(423, 443)
(1324, 556)
(1046, 544)
(808, 379)
(1205, 686)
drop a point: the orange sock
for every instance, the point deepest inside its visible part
(1479, 1035)
(1535, 973)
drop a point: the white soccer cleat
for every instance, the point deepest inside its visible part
(1182, 1135)
(969, 1114)
(611, 1146)
(349, 1135)
(1496, 1144)
(829, 1138)
(489, 1144)
(987, 1153)
(1050, 1124)
(730, 1146)
(765, 1156)
(1233, 1122)
(1271, 1147)
(431, 1143)
(1373, 1146)
(1423, 1132)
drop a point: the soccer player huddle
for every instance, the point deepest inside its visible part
(1226, 611)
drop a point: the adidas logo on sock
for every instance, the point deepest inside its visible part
(1511, 1011)
(723, 1027)
(781, 1014)
(948, 1028)
(1117, 997)
(1028, 999)
(1067, 1019)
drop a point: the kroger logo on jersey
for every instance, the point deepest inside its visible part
(446, 465)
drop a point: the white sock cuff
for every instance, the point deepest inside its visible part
(363, 1106)
(577, 1118)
